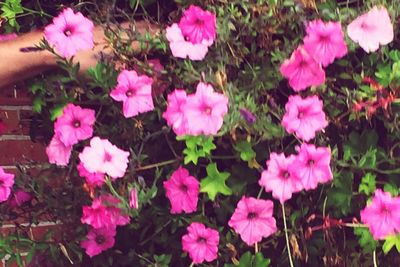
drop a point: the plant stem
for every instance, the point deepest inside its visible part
(286, 236)
(374, 258)
(355, 225)
(155, 165)
(260, 192)
(192, 264)
(256, 248)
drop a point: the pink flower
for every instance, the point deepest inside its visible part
(253, 219)
(304, 116)
(325, 41)
(201, 243)
(135, 93)
(70, 32)
(7, 37)
(57, 152)
(371, 29)
(92, 178)
(6, 182)
(133, 199)
(278, 179)
(312, 166)
(302, 70)
(175, 113)
(182, 190)
(19, 197)
(382, 215)
(205, 110)
(98, 240)
(74, 124)
(103, 157)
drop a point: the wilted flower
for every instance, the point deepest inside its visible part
(57, 152)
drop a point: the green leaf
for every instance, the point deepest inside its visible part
(246, 151)
(368, 160)
(214, 183)
(248, 260)
(57, 111)
(340, 195)
(390, 241)
(368, 184)
(365, 239)
(37, 104)
(196, 147)
(11, 8)
(392, 189)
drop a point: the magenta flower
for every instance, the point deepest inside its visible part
(135, 93)
(278, 179)
(19, 197)
(201, 243)
(382, 215)
(70, 32)
(182, 190)
(92, 178)
(253, 219)
(325, 41)
(8, 36)
(205, 110)
(133, 199)
(103, 157)
(74, 124)
(175, 114)
(98, 240)
(372, 29)
(6, 182)
(57, 152)
(312, 166)
(302, 70)
(304, 116)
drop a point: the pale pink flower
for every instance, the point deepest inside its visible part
(312, 165)
(98, 240)
(201, 243)
(278, 179)
(103, 157)
(304, 116)
(6, 183)
(7, 37)
(91, 178)
(57, 152)
(205, 110)
(70, 32)
(372, 29)
(175, 113)
(182, 190)
(253, 219)
(19, 197)
(133, 199)
(382, 215)
(74, 124)
(302, 70)
(135, 92)
(112, 203)
(325, 41)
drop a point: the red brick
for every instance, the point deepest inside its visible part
(21, 151)
(14, 95)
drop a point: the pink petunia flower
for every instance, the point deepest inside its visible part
(8, 36)
(372, 29)
(312, 166)
(175, 113)
(304, 116)
(91, 178)
(278, 179)
(98, 240)
(182, 190)
(70, 32)
(74, 124)
(205, 110)
(325, 41)
(57, 152)
(382, 215)
(6, 182)
(133, 198)
(135, 92)
(253, 219)
(201, 243)
(19, 197)
(302, 70)
(103, 157)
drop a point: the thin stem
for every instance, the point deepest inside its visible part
(114, 192)
(260, 192)
(192, 264)
(256, 248)
(355, 225)
(286, 236)
(155, 165)
(374, 258)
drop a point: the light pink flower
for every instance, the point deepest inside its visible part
(302, 70)
(253, 219)
(312, 166)
(7, 37)
(98, 240)
(201, 243)
(175, 113)
(325, 41)
(304, 116)
(57, 152)
(92, 178)
(70, 32)
(103, 157)
(278, 179)
(19, 197)
(6, 182)
(133, 199)
(74, 124)
(382, 215)
(205, 110)
(182, 190)
(134, 91)
(112, 203)
(372, 29)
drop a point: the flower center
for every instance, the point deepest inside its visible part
(76, 124)
(207, 110)
(311, 162)
(1, 182)
(201, 240)
(183, 187)
(199, 22)
(107, 157)
(129, 93)
(251, 215)
(324, 38)
(100, 239)
(67, 32)
(300, 115)
(286, 174)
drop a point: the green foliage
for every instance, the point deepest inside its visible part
(341, 194)
(214, 182)
(365, 239)
(197, 147)
(368, 184)
(249, 260)
(390, 242)
(246, 151)
(10, 9)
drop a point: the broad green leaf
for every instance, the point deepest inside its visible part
(214, 183)
(246, 151)
(368, 160)
(368, 184)
(57, 111)
(365, 239)
(196, 147)
(390, 241)
(340, 195)
(249, 260)
(11, 8)
(392, 189)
